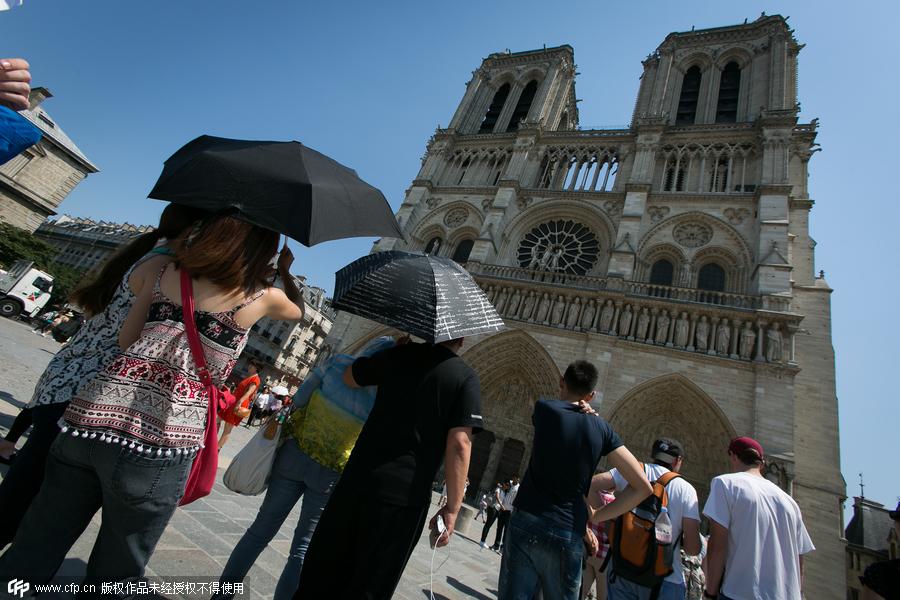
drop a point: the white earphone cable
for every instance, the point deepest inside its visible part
(433, 552)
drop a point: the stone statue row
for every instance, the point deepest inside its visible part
(695, 333)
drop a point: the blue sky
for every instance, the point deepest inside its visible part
(367, 83)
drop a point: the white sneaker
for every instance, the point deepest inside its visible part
(484, 545)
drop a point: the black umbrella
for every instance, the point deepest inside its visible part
(282, 186)
(427, 296)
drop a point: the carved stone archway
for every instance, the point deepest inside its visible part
(673, 406)
(514, 371)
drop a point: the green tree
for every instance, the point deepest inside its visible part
(18, 244)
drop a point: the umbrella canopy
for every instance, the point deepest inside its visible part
(282, 186)
(427, 296)
(280, 390)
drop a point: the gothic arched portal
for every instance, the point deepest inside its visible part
(514, 371)
(673, 406)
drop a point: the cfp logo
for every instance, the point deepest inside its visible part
(18, 587)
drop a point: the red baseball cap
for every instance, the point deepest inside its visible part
(740, 444)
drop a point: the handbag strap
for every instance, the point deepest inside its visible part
(190, 328)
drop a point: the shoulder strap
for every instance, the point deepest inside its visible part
(190, 327)
(666, 477)
(256, 296)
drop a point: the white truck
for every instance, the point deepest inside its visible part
(24, 290)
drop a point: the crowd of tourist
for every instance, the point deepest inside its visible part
(120, 417)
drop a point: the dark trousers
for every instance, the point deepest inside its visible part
(491, 517)
(26, 474)
(502, 521)
(138, 495)
(20, 425)
(360, 547)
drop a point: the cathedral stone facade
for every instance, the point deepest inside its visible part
(675, 255)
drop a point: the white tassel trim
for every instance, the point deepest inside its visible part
(135, 446)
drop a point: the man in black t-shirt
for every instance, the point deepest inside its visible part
(543, 546)
(427, 406)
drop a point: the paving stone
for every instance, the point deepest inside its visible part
(173, 539)
(185, 564)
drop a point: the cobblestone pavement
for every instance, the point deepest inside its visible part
(199, 539)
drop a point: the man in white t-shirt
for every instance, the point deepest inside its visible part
(260, 406)
(757, 537)
(506, 508)
(684, 512)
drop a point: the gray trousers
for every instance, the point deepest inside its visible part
(138, 495)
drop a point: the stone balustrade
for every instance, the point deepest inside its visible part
(547, 277)
(733, 326)
(639, 288)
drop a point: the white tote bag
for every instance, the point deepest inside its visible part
(248, 473)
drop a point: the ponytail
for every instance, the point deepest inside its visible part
(96, 294)
(750, 458)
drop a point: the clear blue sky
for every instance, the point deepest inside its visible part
(367, 82)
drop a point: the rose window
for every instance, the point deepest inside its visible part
(456, 217)
(561, 246)
(692, 234)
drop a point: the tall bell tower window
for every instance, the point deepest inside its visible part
(726, 108)
(493, 113)
(690, 94)
(523, 105)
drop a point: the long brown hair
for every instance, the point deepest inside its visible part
(96, 294)
(230, 253)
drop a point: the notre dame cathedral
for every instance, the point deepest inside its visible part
(675, 255)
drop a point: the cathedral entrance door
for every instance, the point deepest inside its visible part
(673, 406)
(514, 371)
(510, 460)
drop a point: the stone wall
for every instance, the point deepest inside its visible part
(819, 486)
(34, 184)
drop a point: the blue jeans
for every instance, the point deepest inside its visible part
(536, 554)
(137, 493)
(672, 591)
(294, 474)
(621, 589)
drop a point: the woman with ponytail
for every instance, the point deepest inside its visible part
(95, 295)
(106, 299)
(132, 432)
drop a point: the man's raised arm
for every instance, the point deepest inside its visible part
(638, 486)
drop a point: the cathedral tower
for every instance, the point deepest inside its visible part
(674, 254)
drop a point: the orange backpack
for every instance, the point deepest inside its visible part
(635, 553)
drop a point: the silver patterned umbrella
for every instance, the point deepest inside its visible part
(427, 296)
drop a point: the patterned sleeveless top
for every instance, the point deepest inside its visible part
(90, 349)
(149, 397)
